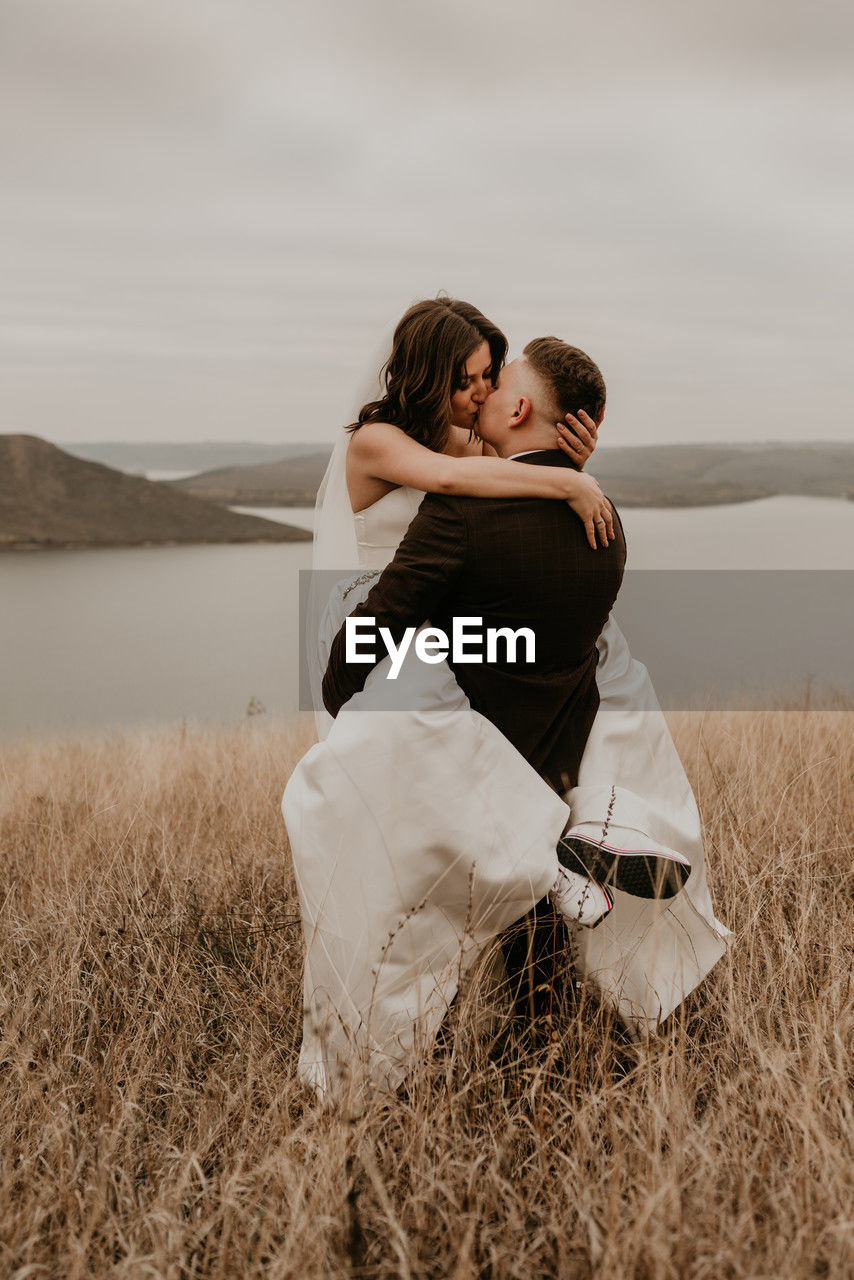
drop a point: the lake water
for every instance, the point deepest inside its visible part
(158, 634)
(773, 533)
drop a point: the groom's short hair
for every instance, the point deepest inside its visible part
(574, 380)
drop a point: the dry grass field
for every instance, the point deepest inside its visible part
(152, 1125)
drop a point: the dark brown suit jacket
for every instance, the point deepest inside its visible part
(515, 562)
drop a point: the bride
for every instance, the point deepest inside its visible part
(418, 836)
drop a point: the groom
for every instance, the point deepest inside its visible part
(516, 563)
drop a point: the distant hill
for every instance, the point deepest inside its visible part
(638, 476)
(49, 498)
(168, 455)
(290, 482)
(707, 475)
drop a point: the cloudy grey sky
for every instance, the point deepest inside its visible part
(212, 212)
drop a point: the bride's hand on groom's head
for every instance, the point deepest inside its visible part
(577, 436)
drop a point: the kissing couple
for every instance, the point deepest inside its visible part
(534, 782)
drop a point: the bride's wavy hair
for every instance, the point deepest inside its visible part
(431, 345)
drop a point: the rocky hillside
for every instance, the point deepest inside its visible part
(49, 498)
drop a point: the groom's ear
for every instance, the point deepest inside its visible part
(521, 412)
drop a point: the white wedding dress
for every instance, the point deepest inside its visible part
(417, 836)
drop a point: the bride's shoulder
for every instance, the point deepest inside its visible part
(373, 435)
(373, 462)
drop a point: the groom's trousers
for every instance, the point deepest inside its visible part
(539, 975)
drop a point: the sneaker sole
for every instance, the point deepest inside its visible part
(635, 873)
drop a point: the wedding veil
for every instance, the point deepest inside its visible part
(335, 553)
(334, 527)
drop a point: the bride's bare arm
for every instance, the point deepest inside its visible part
(384, 452)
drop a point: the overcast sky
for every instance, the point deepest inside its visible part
(212, 212)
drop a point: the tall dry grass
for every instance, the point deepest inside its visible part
(152, 1125)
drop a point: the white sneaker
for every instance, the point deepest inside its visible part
(579, 900)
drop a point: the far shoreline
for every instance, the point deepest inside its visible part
(673, 504)
(166, 542)
(302, 534)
